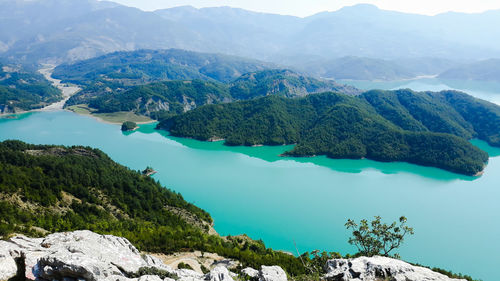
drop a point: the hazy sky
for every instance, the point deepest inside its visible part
(309, 7)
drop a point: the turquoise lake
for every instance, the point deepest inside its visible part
(307, 200)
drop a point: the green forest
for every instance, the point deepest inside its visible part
(47, 188)
(166, 98)
(282, 82)
(156, 99)
(22, 90)
(56, 188)
(425, 128)
(144, 66)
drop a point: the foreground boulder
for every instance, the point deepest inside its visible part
(220, 273)
(8, 267)
(84, 255)
(379, 268)
(267, 273)
(79, 255)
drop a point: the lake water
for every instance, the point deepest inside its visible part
(307, 200)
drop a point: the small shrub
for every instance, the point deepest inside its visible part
(182, 265)
(377, 238)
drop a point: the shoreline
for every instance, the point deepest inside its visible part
(99, 119)
(66, 92)
(462, 176)
(382, 80)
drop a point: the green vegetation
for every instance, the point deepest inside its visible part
(453, 275)
(121, 116)
(114, 117)
(129, 126)
(81, 109)
(377, 238)
(57, 188)
(282, 82)
(163, 99)
(155, 99)
(484, 116)
(21, 90)
(153, 271)
(148, 171)
(145, 66)
(182, 265)
(60, 188)
(429, 129)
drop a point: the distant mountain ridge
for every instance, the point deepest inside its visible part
(139, 67)
(159, 83)
(362, 68)
(61, 30)
(486, 70)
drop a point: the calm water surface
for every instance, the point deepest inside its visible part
(306, 200)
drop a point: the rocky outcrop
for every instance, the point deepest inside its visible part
(80, 255)
(250, 272)
(266, 273)
(219, 273)
(8, 267)
(272, 273)
(379, 268)
(84, 255)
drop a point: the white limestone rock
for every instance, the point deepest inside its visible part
(149, 278)
(84, 255)
(8, 267)
(188, 275)
(79, 255)
(272, 273)
(87, 255)
(142, 278)
(219, 273)
(376, 268)
(252, 273)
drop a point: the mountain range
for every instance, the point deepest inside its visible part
(485, 70)
(63, 30)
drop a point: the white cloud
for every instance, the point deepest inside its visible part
(309, 7)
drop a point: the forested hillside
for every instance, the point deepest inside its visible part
(282, 82)
(21, 90)
(426, 128)
(167, 97)
(144, 66)
(55, 188)
(155, 99)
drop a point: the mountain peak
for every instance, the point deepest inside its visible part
(361, 7)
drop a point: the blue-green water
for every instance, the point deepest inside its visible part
(281, 200)
(307, 200)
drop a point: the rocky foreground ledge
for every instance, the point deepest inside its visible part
(84, 255)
